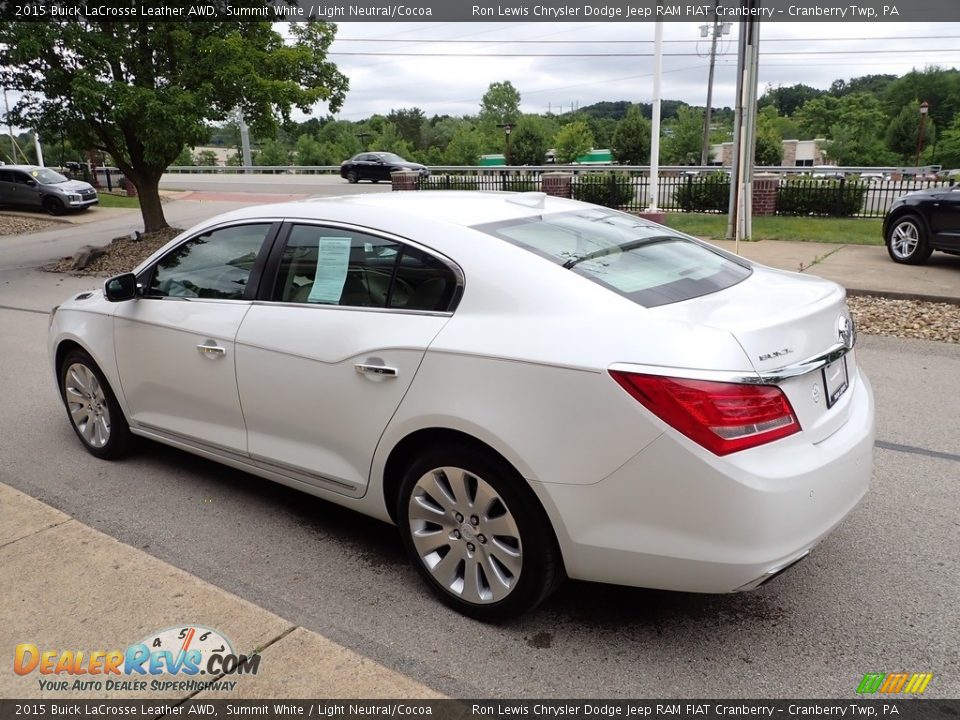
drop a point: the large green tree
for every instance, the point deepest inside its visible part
(572, 141)
(631, 139)
(685, 139)
(529, 142)
(903, 134)
(500, 104)
(141, 91)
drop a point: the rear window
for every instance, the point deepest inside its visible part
(648, 264)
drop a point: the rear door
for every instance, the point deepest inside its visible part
(326, 355)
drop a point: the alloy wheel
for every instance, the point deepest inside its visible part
(87, 405)
(904, 240)
(465, 535)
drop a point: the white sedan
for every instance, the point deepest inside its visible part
(529, 387)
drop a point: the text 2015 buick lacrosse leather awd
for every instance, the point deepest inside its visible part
(529, 387)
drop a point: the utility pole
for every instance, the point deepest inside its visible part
(715, 31)
(36, 145)
(13, 142)
(739, 225)
(655, 124)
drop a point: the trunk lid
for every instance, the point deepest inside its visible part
(781, 319)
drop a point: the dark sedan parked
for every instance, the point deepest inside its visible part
(377, 166)
(921, 222)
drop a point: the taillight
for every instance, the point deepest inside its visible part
(722, 417)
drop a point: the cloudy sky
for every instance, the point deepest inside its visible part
(444, 68)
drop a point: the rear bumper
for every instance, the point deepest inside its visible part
(680, 519)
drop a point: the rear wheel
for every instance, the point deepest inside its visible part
(53, 206)
(92, 407)
(477, 534)
(907, 241)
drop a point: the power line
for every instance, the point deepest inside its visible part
(436, 41)
(635, 54)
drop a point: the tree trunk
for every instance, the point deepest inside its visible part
(148, 186)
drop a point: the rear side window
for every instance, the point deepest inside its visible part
(333, 266)
(648, 264)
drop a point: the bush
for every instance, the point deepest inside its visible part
(710, 193)
(519, 184)
(608, 189)
(813, 196)
(450, 182)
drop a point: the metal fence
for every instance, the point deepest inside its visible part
(798, 196)
(680, 189)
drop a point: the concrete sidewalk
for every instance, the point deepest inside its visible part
(862, 269)
(68, 587)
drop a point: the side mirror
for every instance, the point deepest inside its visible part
(121, 287)
(31, 183)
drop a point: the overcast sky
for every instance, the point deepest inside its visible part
(812, 53)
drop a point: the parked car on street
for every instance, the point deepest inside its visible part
(531, 388)
(923, 221)
(32, 187)
(377, 166)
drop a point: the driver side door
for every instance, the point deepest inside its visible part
(175, 344)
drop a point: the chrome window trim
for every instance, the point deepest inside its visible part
(354, 308)
(767, 377)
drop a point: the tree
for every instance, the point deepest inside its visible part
(529, 143)
(310, 151)
(274, 153)
(500, 104)
(849, 147)
(572, 141)
(464, 147)
(409, 123)
(787, 99)
(769, 149)
(817, 116)
(206, 158)
(683, 144)
(184, 159)
(141, 91)
(631, 139)
(903, 134)
(948, 148)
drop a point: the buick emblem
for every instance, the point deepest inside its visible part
(846, 331)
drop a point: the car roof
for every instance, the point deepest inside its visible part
(26, 168)
(462, 208)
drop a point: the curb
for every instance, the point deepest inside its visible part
(894, 295)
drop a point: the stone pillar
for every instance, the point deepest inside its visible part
(405, 180)
(765, 194)
(558, 184)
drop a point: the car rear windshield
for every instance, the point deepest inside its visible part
(648, 264)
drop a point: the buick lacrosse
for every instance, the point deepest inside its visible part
(530, 388)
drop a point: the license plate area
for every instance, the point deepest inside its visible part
(835, 380)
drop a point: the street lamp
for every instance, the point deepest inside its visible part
(363, 138)
(924, 109)
(507, 129)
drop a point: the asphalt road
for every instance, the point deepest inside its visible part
(879, 595)
(305, 184)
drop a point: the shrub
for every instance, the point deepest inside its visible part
(709, 193)
(813, 196)
(609, 189)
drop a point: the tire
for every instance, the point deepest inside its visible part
(53, 205)
(477, 534)
(907, 241)
(352, 177)
(92, 408)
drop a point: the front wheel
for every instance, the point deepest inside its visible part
(476, 533)
(907, 241)
(352, 177)
(92, 407)
(54, 206)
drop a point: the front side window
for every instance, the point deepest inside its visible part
(648, 264)
(333, 266)
(214, 265)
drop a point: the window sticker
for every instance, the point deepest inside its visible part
(333, 257)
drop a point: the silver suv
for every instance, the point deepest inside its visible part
(29, 186)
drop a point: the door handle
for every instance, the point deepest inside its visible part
(375, 371)
(211, 350)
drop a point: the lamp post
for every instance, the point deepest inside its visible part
(924, 109)
(507, 129)
(363, 139)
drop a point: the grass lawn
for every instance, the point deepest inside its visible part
(853, 231)
(118, 201)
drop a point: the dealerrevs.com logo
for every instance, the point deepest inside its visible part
(171, 660)
(894, 683)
